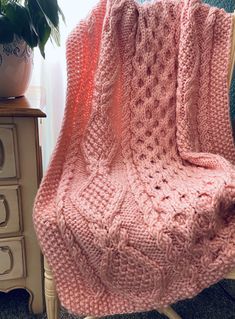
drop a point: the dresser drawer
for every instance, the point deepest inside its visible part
(8, 152)
(10, 210)
(12, 260)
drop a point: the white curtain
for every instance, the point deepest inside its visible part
(50, 75)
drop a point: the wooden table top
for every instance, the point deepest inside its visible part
(30, 105)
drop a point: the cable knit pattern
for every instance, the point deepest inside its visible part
(136, 210)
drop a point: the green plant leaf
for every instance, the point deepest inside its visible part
(44, 32)
(21, 21)
(54, 30)
(6, 30)
(55, 35)
(17, 15)
(41, 26)
(2, 4)
(30, 36)
(50, 9)
(33, 20)
(62, 15)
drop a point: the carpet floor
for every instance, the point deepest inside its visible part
(216, 302)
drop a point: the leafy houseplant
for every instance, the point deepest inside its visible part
(32, 20)
(24, 25)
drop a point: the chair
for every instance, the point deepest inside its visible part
(52, 301)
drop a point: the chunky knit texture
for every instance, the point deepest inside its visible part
(229, 6)
(136, 210)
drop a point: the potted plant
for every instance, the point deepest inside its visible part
(24, 25)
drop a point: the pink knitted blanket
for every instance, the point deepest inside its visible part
(136, 210)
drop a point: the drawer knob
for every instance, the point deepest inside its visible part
(6, 258)
(4, 211)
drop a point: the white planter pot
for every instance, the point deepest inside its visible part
(16, 64)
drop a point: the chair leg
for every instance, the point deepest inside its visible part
(170, 313)
(52, 302)
(231, 275)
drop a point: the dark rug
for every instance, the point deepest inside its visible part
(216, 302)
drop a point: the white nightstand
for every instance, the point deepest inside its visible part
(21, 264)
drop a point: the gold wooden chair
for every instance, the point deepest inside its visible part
(52, 301)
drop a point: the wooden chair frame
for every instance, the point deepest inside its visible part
(52, 301)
